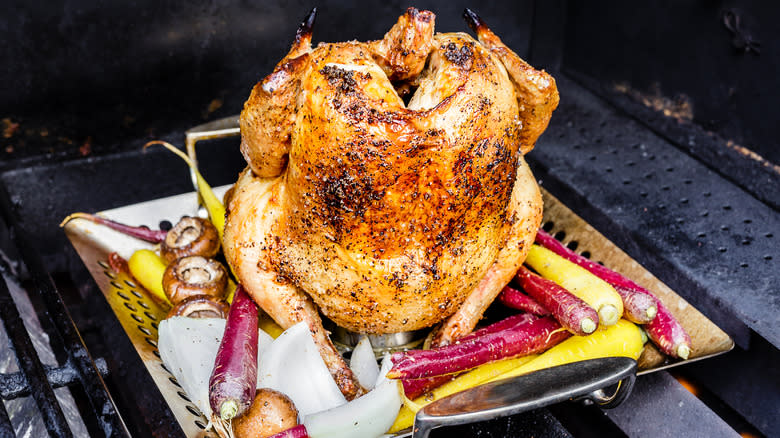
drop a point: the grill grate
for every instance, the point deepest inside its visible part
(34, 378)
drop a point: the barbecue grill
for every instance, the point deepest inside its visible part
(660, 142)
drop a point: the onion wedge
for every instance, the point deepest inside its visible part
(368, 416)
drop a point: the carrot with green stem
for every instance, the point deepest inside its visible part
(233, 381)
(573, 313)
(639, 304)
(579, 281)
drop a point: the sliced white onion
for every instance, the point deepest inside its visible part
(369, 416)
(188, 347)
(363, 363)
(293, 366)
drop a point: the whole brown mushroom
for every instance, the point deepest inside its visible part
(194, 275)
(271, 412)
(190, 236)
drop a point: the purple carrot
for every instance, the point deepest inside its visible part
(573, 313)
(298, 431)
(639, 305)
(142, 232)
(515, 299)
(667, 333)
(233, 382)
(534, 336)
(506, 323)
(414, 388)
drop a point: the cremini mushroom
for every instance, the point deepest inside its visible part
(194, 275)
(189, 237)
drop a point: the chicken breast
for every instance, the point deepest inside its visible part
(388, 216)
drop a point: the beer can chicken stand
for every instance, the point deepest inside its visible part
(388, 214)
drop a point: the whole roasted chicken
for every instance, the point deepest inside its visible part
(386, 184)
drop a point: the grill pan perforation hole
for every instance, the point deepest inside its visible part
(130, 283)
(102, 264)
(572, 245)
(151, 342)
(585, 254)
(123, 296)
(136, 293)
(142, 304)
(110, 274)
(150, 316)
(144, 330)
(157, 353)
(183, 396)
(548, 226)
(163, 366)
(193, 410)
(165, 225)
(116, 285)
(200, 424)
(131, 307)
(174, 381)
(137, 318)
(560, 235)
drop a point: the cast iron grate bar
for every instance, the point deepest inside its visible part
(31, 366)
(65, 329)
(14, 385)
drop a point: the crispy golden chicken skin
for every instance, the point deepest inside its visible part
(388, 216)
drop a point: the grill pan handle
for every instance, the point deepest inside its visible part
(579, 380)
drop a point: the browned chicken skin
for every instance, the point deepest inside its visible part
(389, 217)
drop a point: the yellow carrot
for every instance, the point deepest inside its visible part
(231, 290)
(148, 268)
(621, 339)
(475, 377)
(577, 280)
(213, 204)
(268, 325)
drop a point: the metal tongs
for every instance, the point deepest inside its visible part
(586, 381)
